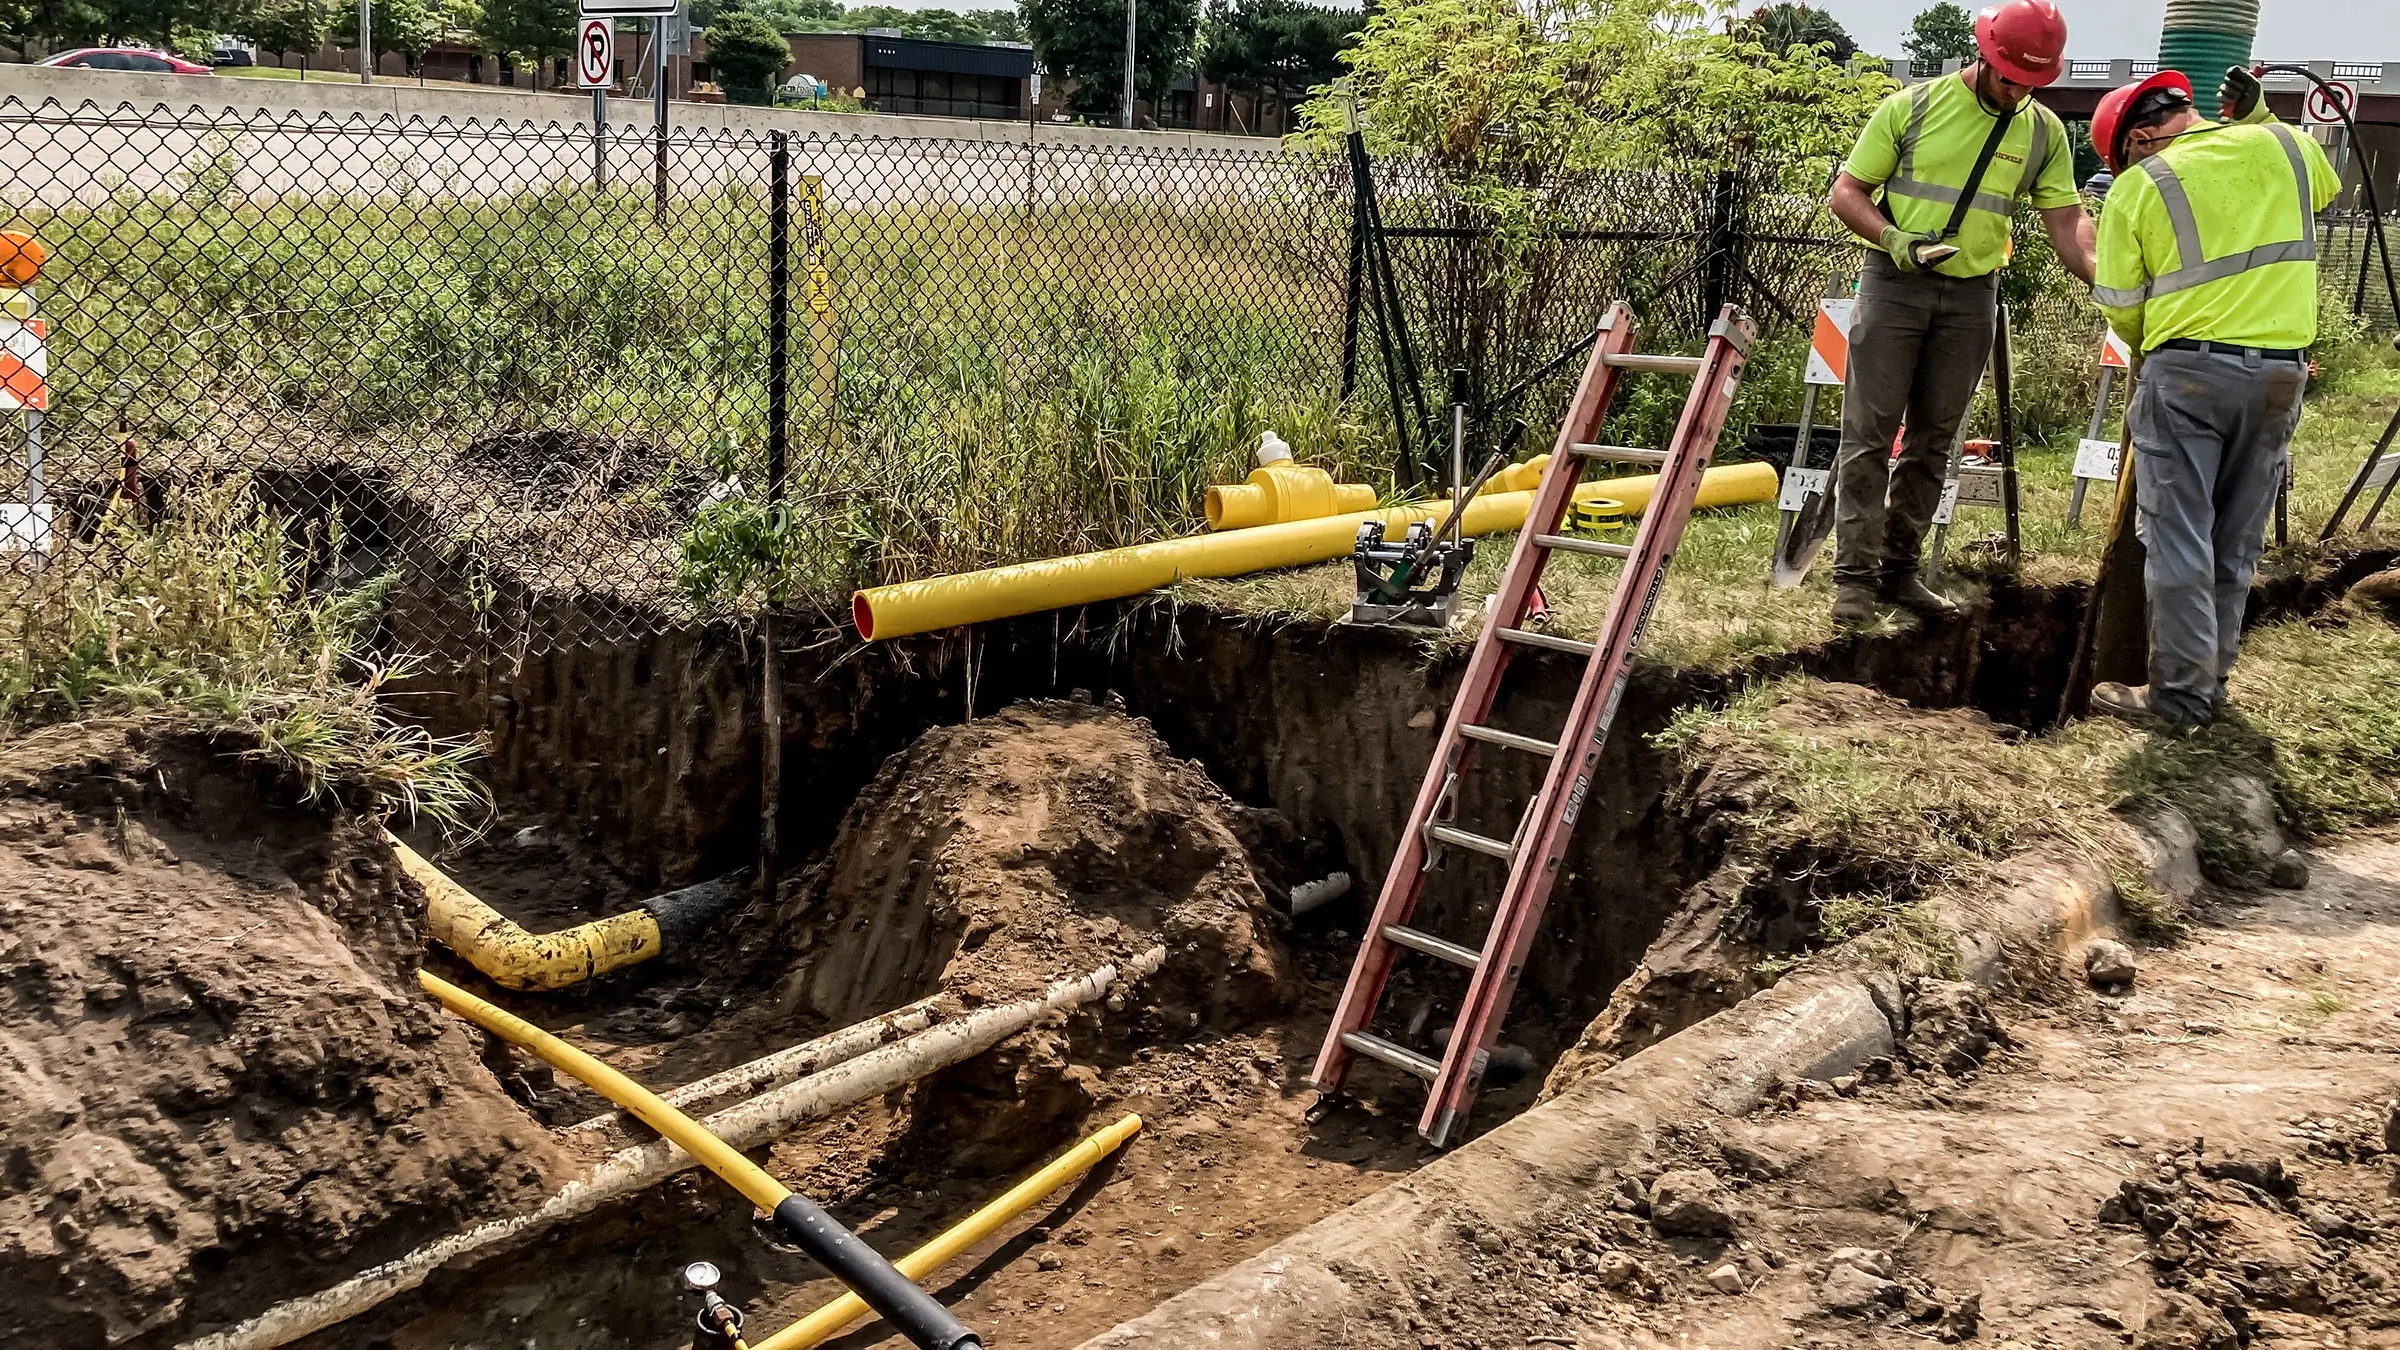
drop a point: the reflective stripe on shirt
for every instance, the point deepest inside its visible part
(2192, 273)
(1903, 183)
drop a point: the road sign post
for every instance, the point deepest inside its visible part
(2096, 459)
(24, 388)
(596, 70)
(1828, 364)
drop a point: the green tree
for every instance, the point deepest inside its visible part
(1945, 32)
(287, 26)
(747, 56)
(528, 32)
(788, 16)
(1279, 47)
(158, 22)
(999, 25)
(940, 25)
(56, 23)
(1084, 41)
(17, 25)
(1529, 116)
(1781, 27)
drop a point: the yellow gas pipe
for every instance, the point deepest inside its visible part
(831, 1245)
(513, 958)
(827, 1322)
(1088, 578)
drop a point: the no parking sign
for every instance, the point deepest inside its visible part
(595, 53)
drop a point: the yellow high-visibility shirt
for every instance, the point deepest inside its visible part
(1920, 146)
(2214, 239)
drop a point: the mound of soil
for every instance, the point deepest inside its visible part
(223, 1087)
(990, 859)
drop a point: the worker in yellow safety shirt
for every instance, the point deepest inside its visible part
(1933, 182)
(2207, 265)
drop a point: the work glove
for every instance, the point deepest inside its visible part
(2240, 99)
(1913, 252)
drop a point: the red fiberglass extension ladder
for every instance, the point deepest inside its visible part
(1538, 847)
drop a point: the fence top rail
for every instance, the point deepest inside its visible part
(203, 119)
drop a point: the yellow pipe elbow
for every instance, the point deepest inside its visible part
(515, 959)
(827, 1322)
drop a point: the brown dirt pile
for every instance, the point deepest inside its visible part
(222, 1086)
(990, 859)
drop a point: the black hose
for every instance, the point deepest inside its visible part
(2382, 247)
(2391, 282)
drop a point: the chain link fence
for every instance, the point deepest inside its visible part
(559, 386)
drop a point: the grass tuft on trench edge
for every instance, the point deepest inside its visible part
(214, 620)
(1922, 808)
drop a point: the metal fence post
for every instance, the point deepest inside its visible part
(779, 317)
(599, 138)
(1717, 268)
(658, 113)
(770, 731)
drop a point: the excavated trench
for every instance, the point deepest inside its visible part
(627, 765)
(635, 762)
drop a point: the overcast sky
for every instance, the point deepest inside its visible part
(2288, 30)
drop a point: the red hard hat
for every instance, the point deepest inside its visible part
(2108, 120)
(2023, 40)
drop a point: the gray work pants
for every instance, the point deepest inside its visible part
(2212, 432)
(1918, 344)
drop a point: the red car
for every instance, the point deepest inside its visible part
(125, 58)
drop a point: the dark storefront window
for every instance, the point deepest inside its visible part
(937, 94)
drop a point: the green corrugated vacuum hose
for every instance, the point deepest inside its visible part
(2202, 37)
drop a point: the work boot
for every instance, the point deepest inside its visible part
(1854, 606)
(2131, 703)
(1912, 594)
(2125, 702)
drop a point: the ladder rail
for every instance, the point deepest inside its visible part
(1541, 856)
(1478, 689)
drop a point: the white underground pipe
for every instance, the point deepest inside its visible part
(791, 1062)
(1310, 895)
(629, 1171)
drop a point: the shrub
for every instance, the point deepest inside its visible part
(747, 55)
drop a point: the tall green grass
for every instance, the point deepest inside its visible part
(1004, 383)
(209, 620)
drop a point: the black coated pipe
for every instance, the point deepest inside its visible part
(894, 1296)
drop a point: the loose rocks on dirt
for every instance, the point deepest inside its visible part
(1949, 1027)
(2181, 1322)
(1691, 1202)
(2108, 965)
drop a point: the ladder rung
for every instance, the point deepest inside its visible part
(1399, 1057)
(1661, 365)
(1433, 946)
(1495, 736)
(1623, 454)
(1530, 638)
(1504, 851)
(1570, 544)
